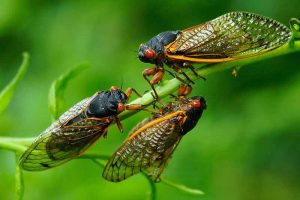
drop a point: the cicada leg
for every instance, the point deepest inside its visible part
(179, 70)
(177, 77)
(122, 107)
(129, 91)
(157, 73)
(119, 124)
(184, 90)
(173, 96)
(104, 133)
(134, 107)
(139, 106)
(192, 68)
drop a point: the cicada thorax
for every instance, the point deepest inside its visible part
(151, 143)
(232, 36)
(75, 130)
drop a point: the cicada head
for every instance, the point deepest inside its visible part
(153, 50)
(194, 109)
(117, 100)
(108, 103)
(148, 54)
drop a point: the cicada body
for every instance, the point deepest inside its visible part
(76, 130)
(232, 36)
(153, 141)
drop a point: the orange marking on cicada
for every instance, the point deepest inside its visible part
(156, 72)
(129, 91)
(150, 71)
(134, 107)
(157, 77)
(184, 90)
(181, 58)
(113, 88)
(121, 107)
(177, 113)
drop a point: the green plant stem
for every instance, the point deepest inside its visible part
(15, 144)
(181, 187)
(169, 86)
(153, 191)
(19, 180)
(12, 146)
(19, 145)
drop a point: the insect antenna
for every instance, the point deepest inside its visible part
(122, 82)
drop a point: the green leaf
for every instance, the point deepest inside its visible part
(8, 92)
(182, 187)
(57, 89)
(295, 27)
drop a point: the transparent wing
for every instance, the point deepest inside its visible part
(146, 149)
(158, 166)
(60, 144)
(236, 34)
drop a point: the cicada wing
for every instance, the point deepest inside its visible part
(74, 111)
(62, 143)
(157, 168)
(146, 149)
(233, 35)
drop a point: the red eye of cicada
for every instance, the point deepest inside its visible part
(149, 53)
(196, 104)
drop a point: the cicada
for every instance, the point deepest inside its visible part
(76, 130)
(153, 141)
(232, 36)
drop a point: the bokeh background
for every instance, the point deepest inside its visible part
(246, 146)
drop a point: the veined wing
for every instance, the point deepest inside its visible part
(234, 35)
(146, 149)
(61, 144)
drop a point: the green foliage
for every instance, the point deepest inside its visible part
(58, 87)
(7, 93)
(182, 187)
(295, 27)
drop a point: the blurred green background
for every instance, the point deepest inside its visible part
(246, 146)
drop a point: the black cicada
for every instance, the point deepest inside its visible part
(152, 142)
(232, 36)
(76, 130)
